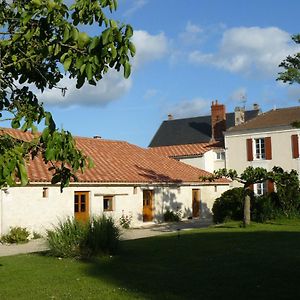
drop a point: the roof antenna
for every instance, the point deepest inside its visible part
(243, 99)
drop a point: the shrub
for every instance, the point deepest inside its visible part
(229, 206)
(77, 239)
(170, 216)
(65, 239)
(125, 221)
(102, 237)
(263, 208)
(16, 235)
(36, 235)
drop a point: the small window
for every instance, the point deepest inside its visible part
(261, 188)
(221, 155)
(45, 192)
(260, 152)
(108, 203)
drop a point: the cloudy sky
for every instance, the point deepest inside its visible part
(188, 53)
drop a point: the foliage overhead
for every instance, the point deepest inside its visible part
(291, 65)
(41, 42)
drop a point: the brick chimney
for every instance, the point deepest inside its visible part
(218, 120)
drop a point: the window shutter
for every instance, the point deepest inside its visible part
(249, 149)
(270, 186)
(268, 148)
(295, 146)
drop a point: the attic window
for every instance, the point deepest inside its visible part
(45, 192)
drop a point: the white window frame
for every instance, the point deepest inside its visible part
(260, 189)
(259, 149)
(220, 155)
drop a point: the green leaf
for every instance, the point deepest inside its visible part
(95, 42)
(127, 69)
(22, 174)
(128, 31)
(66, 34)
(67, 63)
(89, 71)
(75, 33)
(131, 48)
(15, 124)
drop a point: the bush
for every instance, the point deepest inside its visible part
(16, 235)
(229, 206)
(125, 221)
(264, 208)
(102, 237)
(66, 238)
(170, 216)
(77, 239)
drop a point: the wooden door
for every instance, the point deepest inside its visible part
(196, 203)
(81, 206)
(147, 205)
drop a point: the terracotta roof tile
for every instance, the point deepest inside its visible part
(118, 161)
(186, 150)
(273, 118)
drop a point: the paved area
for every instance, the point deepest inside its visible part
(147, 230)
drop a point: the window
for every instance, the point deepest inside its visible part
(260, 152)
(45, 192)
(260, 148)
(107, 203)
(260, 188)
(221, 155)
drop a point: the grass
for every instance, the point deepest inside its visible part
(224, 262)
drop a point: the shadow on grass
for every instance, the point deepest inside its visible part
(217, 265)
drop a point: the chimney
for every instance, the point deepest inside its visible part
(218, 120)
(170, 117)
(239, 115)
(256, 106)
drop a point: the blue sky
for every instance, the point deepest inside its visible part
(188, 53)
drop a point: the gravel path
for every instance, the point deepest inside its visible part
(144, 231)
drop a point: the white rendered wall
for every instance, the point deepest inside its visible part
(236, 151)
(25, 206)
(207, 162)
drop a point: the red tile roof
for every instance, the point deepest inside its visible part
(119, 162)
(186, 150)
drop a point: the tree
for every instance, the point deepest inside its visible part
(249, 177)
(41, 42)
(291, 65)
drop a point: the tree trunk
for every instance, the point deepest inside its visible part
(246, 209)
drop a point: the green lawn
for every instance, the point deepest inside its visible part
(260, 262)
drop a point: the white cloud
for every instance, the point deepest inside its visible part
(110, 88)
(136, 5)
(148, 47)
(190, 108)
(113, 85)
(191, 34)
(249, 50)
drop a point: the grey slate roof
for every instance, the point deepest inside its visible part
(190, 130)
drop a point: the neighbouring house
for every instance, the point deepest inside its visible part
(126, 180)
(271, 139)
(199, 141)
